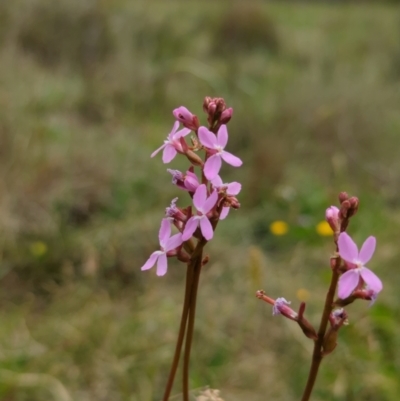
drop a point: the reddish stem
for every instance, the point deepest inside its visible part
(181, 334)
(190, 327)
(317, 352)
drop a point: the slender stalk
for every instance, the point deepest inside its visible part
(317, 352)
(192, 313)
(181, 334)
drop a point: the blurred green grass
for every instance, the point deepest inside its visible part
(86, 94)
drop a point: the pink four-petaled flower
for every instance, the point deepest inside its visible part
(232, 189)
(349, 280)
(172, 144)
(167, 244)
(217, 145)
(203, 205)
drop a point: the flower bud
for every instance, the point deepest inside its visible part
(332, 217)
(226, 116)
(354, 202)
(184, 116)
(337, 319)
(305, 325)
(194, 158)
(343, 196)
(344, 209)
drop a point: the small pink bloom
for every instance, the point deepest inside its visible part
(173, 212)
(189, 120)
(191, 181)
(232, 189)
(177, 178)
(188, 181)
(350, 280)
(203, 206)
(281, 308)
(217, 145)
(167, 244)
(172, 144)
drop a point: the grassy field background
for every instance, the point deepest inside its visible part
(86, 94)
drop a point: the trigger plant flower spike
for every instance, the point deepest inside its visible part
(167, 244)
(350, 280)
(209, 202)
(172, 144)
(215, 146)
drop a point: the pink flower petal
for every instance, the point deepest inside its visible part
(212, 166)
(200, 196)
(162, 265)
(217, 181)
(231, 159)
(169, 153)
(182, 133)
(173, 242)
(151, 261)
(174, 129)
(371, 279)
(191, 181)
(157, 150)
(348, 282)
(206, 228)
(207, 138)
(367, 250)
(234, 188)
(224, 213)
(347, 248)
(210, 202)
(165, 232)
(190, 228)
(222, 136)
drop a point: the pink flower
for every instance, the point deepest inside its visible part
(188, 181)
(167, 244)
(217, 145)
(191, 181)
(281, 307)
(189, 120)
(232, 189)
(172, 144)
(203, 206)
(350, 280)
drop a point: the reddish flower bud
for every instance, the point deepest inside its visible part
(343, 196)
(305, 325)
(189, 120)
(194, 158)
(226, 116)
(337, 319)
